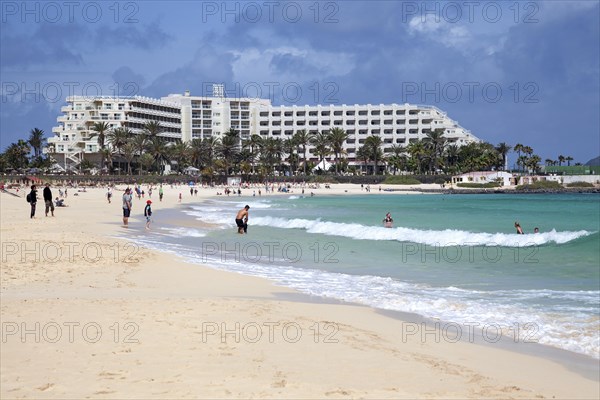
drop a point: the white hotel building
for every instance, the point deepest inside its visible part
(185, 117)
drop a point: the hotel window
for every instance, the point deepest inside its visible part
(264, 114)
(108, 106)
(364, 112)
(401, 121)
(375, 122)
(288, 114)
(117, 116)
(325, 113)
(300, 113)
(351, 122)
(350, 113)
(313, 113)
(400, 112)
(276, 114)
(337, 113)
(121, 106)
(375, 112)
(387, 112)
(388, 122)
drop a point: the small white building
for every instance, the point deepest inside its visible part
(482, 177)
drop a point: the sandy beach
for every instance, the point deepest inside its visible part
(86, 314)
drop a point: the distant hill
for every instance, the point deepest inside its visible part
(594, 162)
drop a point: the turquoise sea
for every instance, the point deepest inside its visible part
(455, 258)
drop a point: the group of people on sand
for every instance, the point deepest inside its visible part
(32, 198)
(520, 230)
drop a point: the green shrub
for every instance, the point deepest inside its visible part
(541, 185)
(580, 184)
(478, 185)
(401, 180)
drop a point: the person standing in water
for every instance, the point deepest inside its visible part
(387, 221)
(241, 220)
(519, 229)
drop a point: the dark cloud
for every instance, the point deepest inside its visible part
(128, 82)
(208, 65)
(18, 118)
(55, 44)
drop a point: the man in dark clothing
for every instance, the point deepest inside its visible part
(32, 200)
(48, 199)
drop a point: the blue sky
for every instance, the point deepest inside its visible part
(520, 72)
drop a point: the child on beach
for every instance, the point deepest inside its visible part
(148, 213)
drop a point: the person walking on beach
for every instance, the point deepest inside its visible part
(127, 199)
(160, 193)
(48, 199)
(109, 194)
(32, 200)
(148, 213)
(241, 220)
(519, 229)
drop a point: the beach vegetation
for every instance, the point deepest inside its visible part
(580, 184)
(541, 185)
(401, 180)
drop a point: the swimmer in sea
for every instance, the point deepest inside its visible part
(387, 221)
(518, 228)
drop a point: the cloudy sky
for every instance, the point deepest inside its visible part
(520, 72)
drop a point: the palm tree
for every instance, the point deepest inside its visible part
(374, 143)
(549, 162)
(272, 152)
(418, 153)
(105, 153)
(100, 129)
(320, 142)
(139, 143)
(288, 147)
(128, 151)
(363, 154)
(16, 154)
(503, 148)
(146, 160)
(254, 144)
(561, 159)
(229, 148)
(302, 138)
(152, 129)
(533, 163)
(452, 155)
(181, 154)
(435, 141)
(518, 149)
(396, 158)
(210, 146)
(159, 150)
(117, 138)
(36, 140)
(568, 159)
(337, 137)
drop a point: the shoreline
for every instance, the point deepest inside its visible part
(169, 298)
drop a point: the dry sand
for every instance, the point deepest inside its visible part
(85, 315)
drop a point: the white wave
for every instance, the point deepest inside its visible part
(186, 232)
(293, 197)
(444, 238)
(569, 327)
